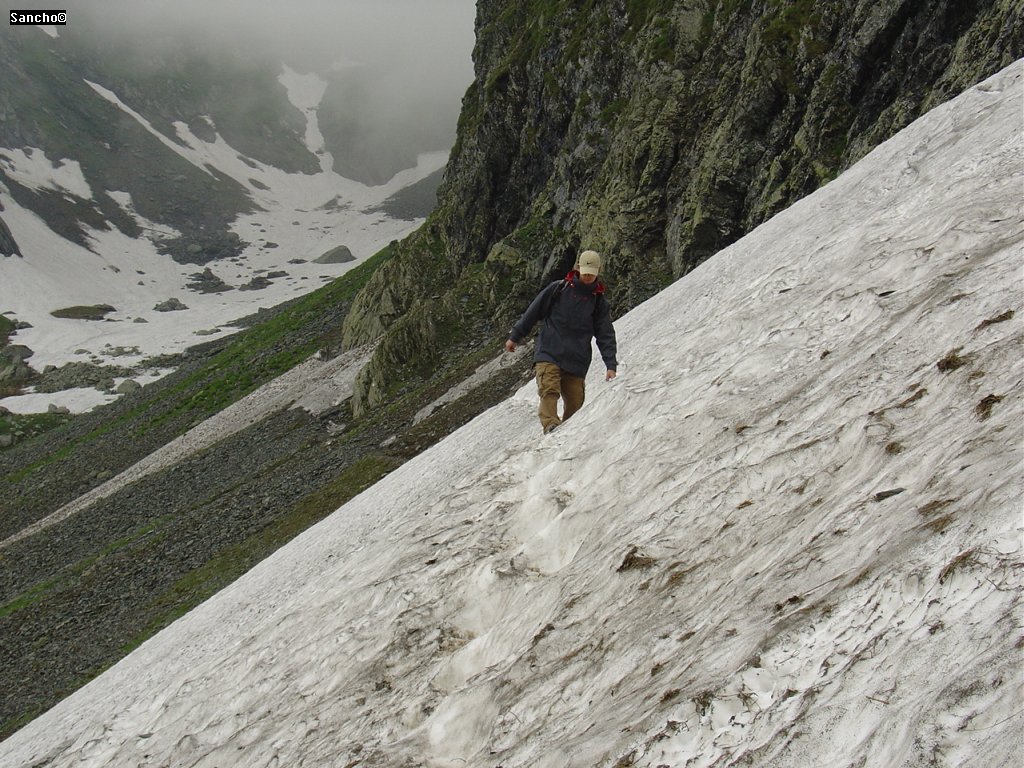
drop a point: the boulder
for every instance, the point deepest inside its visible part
(93, 312)
(258, 283)
(18, 353)
(339, 255)
(207, 282)
(13, 368)
(171, 305)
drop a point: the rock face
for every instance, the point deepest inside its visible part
(657, 133)
(8, 246)
(79, 374)
(14, 371)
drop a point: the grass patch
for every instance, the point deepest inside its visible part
(612, 110)
(29, 597)
(25, 426)
(73, 574)
(92, 312)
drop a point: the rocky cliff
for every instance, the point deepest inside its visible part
(657, 132)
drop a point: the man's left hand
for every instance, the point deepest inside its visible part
(610, 375)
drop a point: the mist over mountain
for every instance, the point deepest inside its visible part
(395, 71)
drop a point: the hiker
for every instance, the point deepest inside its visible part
(574, 311)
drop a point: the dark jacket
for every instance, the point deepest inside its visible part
(578, 314)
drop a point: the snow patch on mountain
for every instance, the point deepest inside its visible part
(33, 169)
(306, 92)
(113, 98)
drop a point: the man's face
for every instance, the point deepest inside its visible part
(588, 279)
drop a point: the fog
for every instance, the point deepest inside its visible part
(397, 68)
(430, 38)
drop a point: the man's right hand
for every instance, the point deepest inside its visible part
(510, 346)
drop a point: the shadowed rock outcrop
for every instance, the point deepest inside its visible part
(655, 132)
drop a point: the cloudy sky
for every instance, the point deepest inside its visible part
(399, 67)
(383, 33)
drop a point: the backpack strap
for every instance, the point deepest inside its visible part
(559, 290)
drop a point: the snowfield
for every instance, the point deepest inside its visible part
(302, 217)
(788, 534)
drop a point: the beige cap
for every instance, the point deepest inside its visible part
(590, 263)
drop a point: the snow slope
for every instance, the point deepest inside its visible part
(784, 536)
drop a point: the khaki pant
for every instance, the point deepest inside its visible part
(552, 383)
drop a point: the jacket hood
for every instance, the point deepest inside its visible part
(573, 277)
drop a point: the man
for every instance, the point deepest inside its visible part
(574, 311)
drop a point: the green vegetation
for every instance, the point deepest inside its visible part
(654, 15)
(541, 24)
(252, 358)
(71, 575)
(789, 22)
(612, 110)
(29, 597)
(663, 43)
(93, 312)
(790, 33)
(531, 236)
(26, 426)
